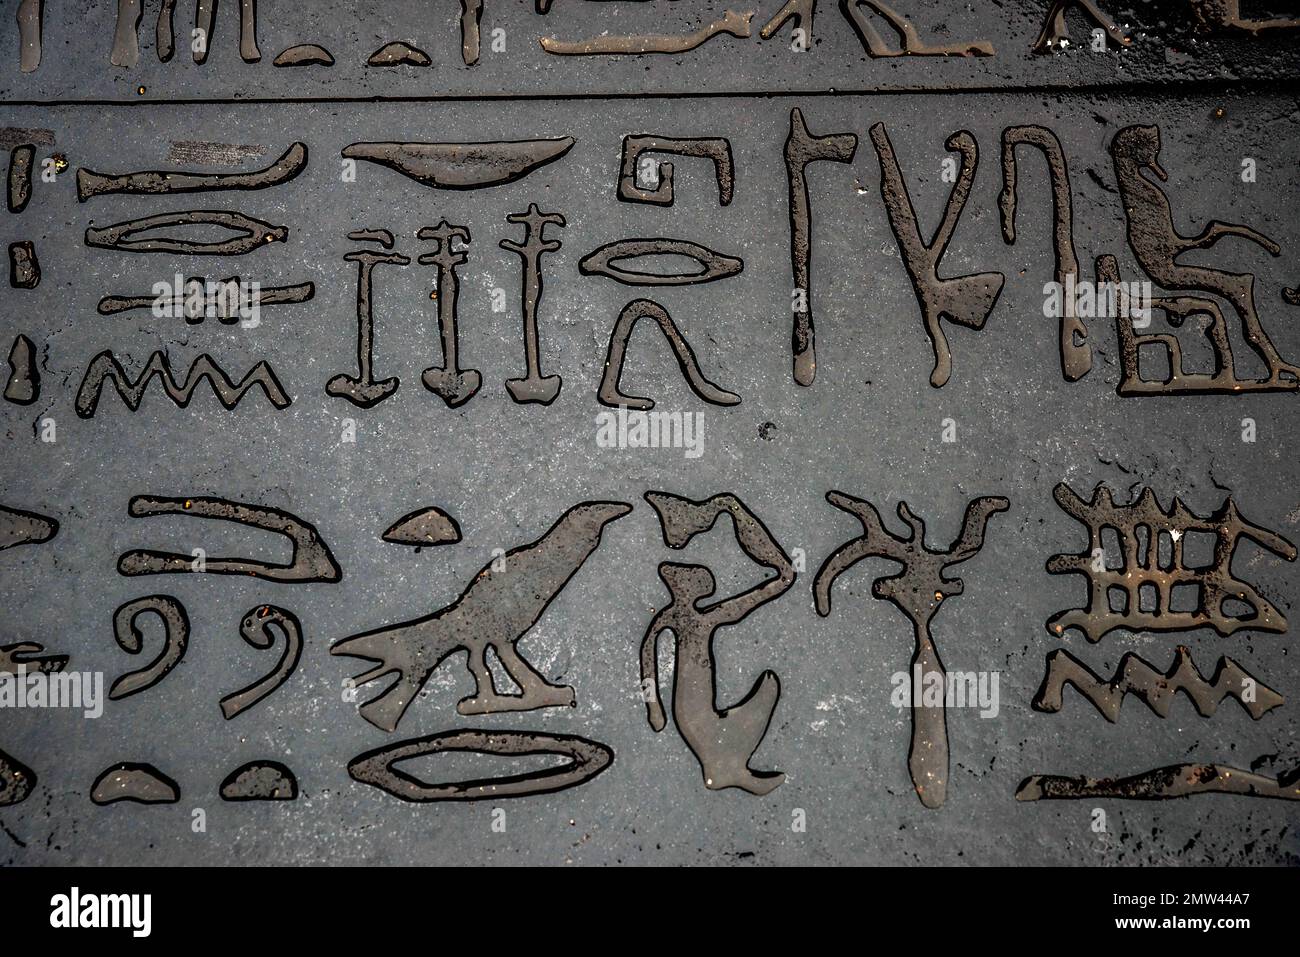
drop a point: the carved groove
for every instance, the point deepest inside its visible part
(588, 759)
(105, 368)
(1162, 784)
(1153, 688)
(311, 559)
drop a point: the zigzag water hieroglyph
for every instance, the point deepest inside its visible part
(105, 367)
(1153, 688)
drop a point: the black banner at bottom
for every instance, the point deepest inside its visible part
(363, 906)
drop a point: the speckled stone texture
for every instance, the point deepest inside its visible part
(870, 426)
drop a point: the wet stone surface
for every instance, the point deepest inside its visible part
(418, 451)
